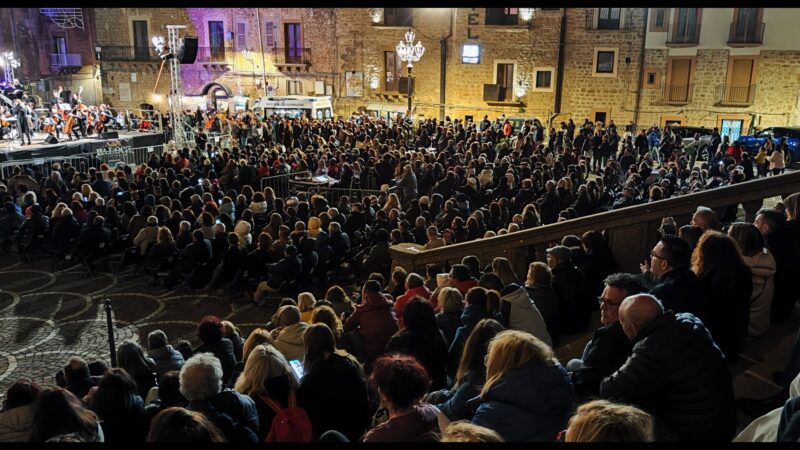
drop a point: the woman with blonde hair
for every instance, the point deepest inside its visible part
(603, 421)
(267, 378)
(527, 395)
(449, 319)
(502, 268)
(465, 431)
(306, 301)
(392, 202)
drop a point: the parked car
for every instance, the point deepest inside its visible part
(687, 135)
(778, 134)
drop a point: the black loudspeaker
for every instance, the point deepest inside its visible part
(187, 50)
(109, 135)
(50, 139)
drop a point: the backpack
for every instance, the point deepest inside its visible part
(289, 425)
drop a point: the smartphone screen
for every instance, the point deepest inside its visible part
(297, 368)
(220, 202)
(199, 181)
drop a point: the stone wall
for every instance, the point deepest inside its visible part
(775, 101)
(530, 47)
(585, 91)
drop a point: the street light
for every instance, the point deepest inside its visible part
(410, 52)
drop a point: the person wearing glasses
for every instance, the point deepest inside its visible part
(678, 287)
(609, 347)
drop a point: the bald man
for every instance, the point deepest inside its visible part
(675, 372)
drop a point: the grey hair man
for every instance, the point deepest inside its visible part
(201, 384)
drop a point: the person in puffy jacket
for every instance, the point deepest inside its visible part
(759, 259)
(165, 356)
(16, 417)
(527, 395)
(374, 320)
(288, 339)
(518, 312)
(675, 372)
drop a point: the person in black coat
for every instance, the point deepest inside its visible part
(422, 339)
(339, 243)
(549, 203)
(609, 347)
(231, 262)
(334, 389)
(91, 237)
(575, 301)
(211, 333)
(192, 256)
(67, 229)
(678, 288)
(675, 372)
(285, 270)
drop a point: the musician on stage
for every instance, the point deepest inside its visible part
(80, 123)
(23, 126)
(57, 95)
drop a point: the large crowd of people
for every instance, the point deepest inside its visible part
(459, 353)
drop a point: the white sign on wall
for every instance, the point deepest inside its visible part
(124, 92)
(133, 77)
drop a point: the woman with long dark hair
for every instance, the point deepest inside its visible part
(61, 417)
(142, 369)
(718, 264)
(470, 375)
(120, 407)
(334, 388)
(422, 339)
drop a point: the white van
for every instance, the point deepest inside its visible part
(293, 105)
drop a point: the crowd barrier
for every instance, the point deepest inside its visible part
(131, 156)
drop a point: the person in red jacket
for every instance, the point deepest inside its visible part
(415, 287)
(374, 321)
(459, 279)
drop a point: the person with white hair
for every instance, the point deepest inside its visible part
(147, 235)
(233, 413)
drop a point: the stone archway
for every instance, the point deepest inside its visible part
(215, 90)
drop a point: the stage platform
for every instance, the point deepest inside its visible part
(88, 145)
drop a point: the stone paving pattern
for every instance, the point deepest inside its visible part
(47, 317)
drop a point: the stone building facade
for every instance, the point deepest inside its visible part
(50, 55)
(241, 51)
(602, 65)
(732, 68)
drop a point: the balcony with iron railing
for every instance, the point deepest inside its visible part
(65, 60)
(689, 39)
(128, 54)
(596, 23)
(215, 55)
(736, 95)
(673, 94)
(750, 36)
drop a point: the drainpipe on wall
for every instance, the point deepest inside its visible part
(641, 74)
(443, 67)
(562, 41)
(261, 49)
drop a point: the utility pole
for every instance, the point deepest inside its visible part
(261, 49)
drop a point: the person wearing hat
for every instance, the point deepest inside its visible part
(575, 303)
(288, 338)
(147, 235)
(518, 312)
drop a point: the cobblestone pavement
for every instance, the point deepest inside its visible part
(47, 317)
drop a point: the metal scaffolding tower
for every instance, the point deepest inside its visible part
(181, 136)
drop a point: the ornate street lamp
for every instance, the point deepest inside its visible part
(410, 52)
